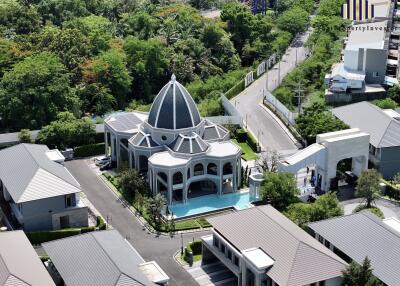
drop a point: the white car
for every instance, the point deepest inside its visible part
(99, 161)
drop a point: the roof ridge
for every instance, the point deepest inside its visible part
(384, 132)
(291, 265)
(123, 273)
(379, 222)
(5, 265)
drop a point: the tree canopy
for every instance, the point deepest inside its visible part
(279, 189)
(356, 274)
(368, 186)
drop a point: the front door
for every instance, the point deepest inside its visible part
(64, 221)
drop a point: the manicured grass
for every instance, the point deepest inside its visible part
(186, 224)
(247, 153)
(203, 222)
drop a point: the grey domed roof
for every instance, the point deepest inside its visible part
(189, 144)
(143, 140)
(174, 108)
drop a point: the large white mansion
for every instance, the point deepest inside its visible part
(182, 154)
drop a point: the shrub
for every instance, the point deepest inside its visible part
(375, 210)
(392, 191)
(195, 247)
(89, 150)
(241, 135)
(101, 223)
(235, 90)
(44, 258)
(88, 229)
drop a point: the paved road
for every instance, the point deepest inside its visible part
(260, 122)
(151, 247)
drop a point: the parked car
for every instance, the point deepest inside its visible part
(99, 161)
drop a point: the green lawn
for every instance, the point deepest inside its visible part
(247, 153)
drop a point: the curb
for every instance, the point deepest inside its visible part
(281, 124)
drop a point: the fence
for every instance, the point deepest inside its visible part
(280, 108)
(233, 117)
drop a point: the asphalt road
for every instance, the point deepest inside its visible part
(161, 249)
(260, 122)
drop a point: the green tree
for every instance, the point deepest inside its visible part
(316, 119)
(148, 63)
(210, 106)
(59, 11)
(140, 24)
(240, 23)
(96, 98)
(34, 91)
(18, 18)
(109, 69)
(67, 131)
(293, 20)
(279, 189)
(8, 56)
(24, 136)
(368, 186)
(394, 93)
(156, 207)
(132, 184)
(70, 45)
(326, 206)
(357, 275)
(99, 30)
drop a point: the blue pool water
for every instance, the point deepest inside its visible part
(210, 203)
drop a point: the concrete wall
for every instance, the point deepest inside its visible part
(375, 61)
(78, 217)
(351, 60)
(390, 162)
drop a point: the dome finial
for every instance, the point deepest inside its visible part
(173, 78)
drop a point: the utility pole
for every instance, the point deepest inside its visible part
(279, 69)
(266, 70)
(296, 57)
(298, 91)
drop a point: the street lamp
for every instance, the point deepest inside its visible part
(181, 244)
(258, 140)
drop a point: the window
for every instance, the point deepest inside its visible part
(215, 242)
(320, 239)
(163, 137)
(69, 201)
(321, 283)
(229, 254)
(375, 74)
(235, 260)
(222, 248)
(20, 208)
(327, 243)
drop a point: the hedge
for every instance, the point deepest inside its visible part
(101, 225)
(89, 150)
(251, 141)
(195, 247)
(38, 237)
(235, 90)
(392, 191)
(375, 210)
(241, 135)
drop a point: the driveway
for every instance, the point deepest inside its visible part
(261, 122)
(161, 249)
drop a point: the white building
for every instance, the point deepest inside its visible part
(182, 154)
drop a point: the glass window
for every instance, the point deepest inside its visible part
(229, 254)
(222, 248)
(215, 242)
(235, 260)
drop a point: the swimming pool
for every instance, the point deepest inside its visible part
(211, 203)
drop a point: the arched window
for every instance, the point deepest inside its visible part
(163, 176)
(124, 141)
(212, 169)
(177, 178)
(198, 170)
(188, 173)
(227, 170)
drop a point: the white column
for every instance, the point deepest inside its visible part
(221, 175)
(239, 170)
(112, 138)
(234, 175)
(184, 189)
(169, 184)
(106, 140)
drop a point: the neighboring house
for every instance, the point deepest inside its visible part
(182, 154)
(355, 236)
(19, 262)
(384, 129)
(263, 247)
(101, 258)
(341, 79)
(42, 194)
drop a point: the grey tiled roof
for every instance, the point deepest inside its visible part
(174, 108)
(383, 129)
(19, 263)
(363, 234)
(214, 132)
(29, 174)
(298, 258)
(101, 258)
(142, 139)
(192, 144)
